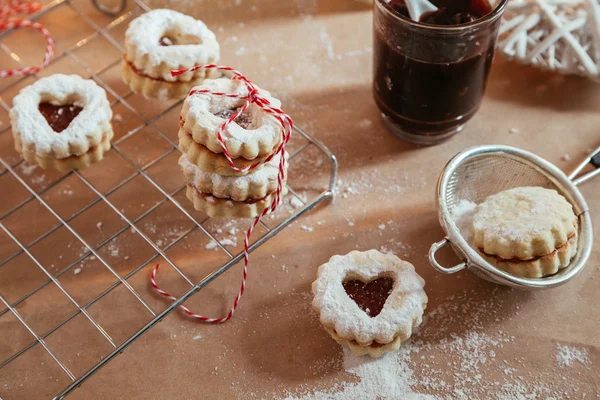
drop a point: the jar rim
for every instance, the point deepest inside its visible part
(486, 19)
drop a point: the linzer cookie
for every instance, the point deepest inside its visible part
(62, 122)
(206, 160)
(527, 231)
(232, 196)
(253, 134)
(253, 186)
(164, 40)
(226, 208)
(369, 301)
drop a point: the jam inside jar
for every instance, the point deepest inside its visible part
(430, 76)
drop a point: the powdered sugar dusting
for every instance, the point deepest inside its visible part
(28, 168)
(144, 34)
(257, 184)
(229, 240)
(566, 356)
(451, 357)
(462, 215)
(295, 202)
(113, 249)
(388, 377)
(524, 213)
(199, 118)
(35, 132)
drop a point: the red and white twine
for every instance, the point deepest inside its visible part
(7, 10)
(252, 97)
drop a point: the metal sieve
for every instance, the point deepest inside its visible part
(480, 171)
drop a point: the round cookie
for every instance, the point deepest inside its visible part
(253, 186)
(226, 208)
(527, 231)
(206, 160)
(253, 134)
(164, 40)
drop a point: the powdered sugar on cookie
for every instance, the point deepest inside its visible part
(86, 130)
(402, 310)
(255, 185)
(523, 222)
(162, 40)
(200, 120)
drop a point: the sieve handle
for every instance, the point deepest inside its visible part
(433, 249)
(594, 160)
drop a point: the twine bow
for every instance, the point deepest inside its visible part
(252, 96)
(7, 10)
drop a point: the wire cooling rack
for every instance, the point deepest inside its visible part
(28, 191)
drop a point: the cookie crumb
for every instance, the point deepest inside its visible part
(228, 242)
(295, 202)
(307, 228)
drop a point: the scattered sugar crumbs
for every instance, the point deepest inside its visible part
(451, 357)
(226, 235)
(567, 356)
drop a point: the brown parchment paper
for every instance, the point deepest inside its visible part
(316, 57)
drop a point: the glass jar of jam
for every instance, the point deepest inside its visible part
(430, 76)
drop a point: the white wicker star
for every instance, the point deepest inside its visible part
(559, 35)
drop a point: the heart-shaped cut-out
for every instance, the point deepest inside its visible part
(59, 117)
(369, 296)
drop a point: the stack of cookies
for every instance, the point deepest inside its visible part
(212, 185)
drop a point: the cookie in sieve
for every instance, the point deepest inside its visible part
(481, 171)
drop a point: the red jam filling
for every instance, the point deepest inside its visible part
(518, 260)
(143, 75)
(59, 117)
(206, 196)
(244, 119)
(371, 296)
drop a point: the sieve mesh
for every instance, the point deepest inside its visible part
(481, 171)
(478, 177)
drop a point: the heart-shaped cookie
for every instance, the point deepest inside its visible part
(60, 121)
(389, 288)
